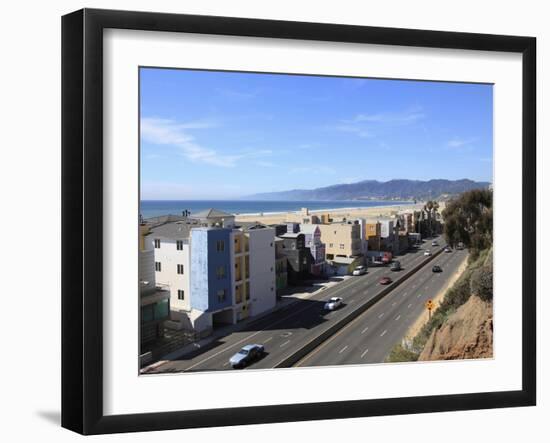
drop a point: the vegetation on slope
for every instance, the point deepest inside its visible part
(468, 220)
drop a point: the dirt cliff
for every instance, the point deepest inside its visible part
(467, 333)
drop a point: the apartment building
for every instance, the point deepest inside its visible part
(154, 300)
(341, 239)
(218, 273)
(298, 256)
(312, 238)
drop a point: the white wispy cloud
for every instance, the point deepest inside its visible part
(366, 125)
(408, 116)
(458, 142)
(358, 130)
(168, 132)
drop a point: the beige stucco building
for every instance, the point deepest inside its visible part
(341, 239)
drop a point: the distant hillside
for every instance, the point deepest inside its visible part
(375, 190)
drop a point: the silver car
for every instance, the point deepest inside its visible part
(333, 303)
(246, 355)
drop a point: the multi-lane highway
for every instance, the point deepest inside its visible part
(370, 337)
(284, 332)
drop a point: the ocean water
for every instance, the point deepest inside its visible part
(154, 208)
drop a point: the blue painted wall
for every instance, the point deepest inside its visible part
(205, 260)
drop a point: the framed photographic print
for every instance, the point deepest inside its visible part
(268, 221)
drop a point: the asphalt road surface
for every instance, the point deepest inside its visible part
(370, 337)
(285, 331)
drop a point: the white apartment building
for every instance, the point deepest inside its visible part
(208, 287)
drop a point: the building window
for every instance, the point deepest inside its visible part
(341, 245)
(179, 245)
(220, 246)
(220, 272)
(330, 245)
(271, 244)
(180, 269)
(181, 294)
(158, 266)
(157, 243)
(221, 295)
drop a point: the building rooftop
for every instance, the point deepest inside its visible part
(175, 230)
(211, 213)
(308, 229)
(291, 235)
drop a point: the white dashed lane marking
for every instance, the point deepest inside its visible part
(364, 353)
(343, 349)
(383, 333)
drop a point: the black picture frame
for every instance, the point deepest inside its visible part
(82, 218)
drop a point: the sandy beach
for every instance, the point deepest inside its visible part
(297, 216)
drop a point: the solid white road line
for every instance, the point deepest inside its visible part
(343, 349)
(364, 353)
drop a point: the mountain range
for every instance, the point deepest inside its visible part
(437, 189)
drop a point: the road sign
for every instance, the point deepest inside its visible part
(430, 306)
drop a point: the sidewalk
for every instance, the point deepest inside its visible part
(289, 296)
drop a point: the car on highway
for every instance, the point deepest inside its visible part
(385, 281)
(333, 303)
(360, 270)
(437, 268)
(248, 354)
(434, 243)
(395, 266)
(427, 253)
(447, 249)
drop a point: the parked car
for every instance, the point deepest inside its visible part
(447, 249)
(395, 266)
(333, 303)
(437, 268)
(246, 355)
(427, 253)
(360, 270)
(385, 281)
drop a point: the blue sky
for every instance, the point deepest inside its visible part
(221, 135)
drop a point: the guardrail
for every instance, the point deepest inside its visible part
(295, 357)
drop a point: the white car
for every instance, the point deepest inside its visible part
(360, 270)
(434, 243)
(427, 253)
(333, 303)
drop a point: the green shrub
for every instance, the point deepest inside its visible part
(400, 354)
(481, 283)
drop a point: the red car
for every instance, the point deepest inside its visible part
(385, 281)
